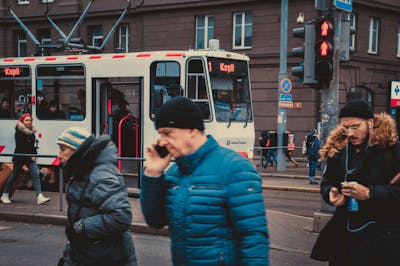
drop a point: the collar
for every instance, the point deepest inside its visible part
(187, 164)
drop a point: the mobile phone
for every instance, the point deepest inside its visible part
(162, 151)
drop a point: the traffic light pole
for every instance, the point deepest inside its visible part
(282, 114)
(330, 95)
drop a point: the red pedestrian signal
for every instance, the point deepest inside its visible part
(324, 33)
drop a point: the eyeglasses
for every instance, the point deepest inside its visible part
(353, 127)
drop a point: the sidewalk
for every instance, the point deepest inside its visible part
(25, 209)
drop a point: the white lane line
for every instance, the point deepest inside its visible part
(289, 214)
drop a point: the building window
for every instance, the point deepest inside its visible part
(373, 36)
(47, 1)
(398, 42)
(123, 39)
(242, 30)
(21, 44)
(96, 33)
(204, 31)
(360, 92)
(23, 2)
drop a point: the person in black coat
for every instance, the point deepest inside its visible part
(361, 180)
(24, 143)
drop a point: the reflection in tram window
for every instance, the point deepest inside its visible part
(15, 91)
(65, 86)
(164, 83)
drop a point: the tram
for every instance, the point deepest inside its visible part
(119, 94)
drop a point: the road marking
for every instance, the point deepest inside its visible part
(4, 227)
(289, 214)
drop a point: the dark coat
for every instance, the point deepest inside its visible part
(24, 143)
(378, 216)
(98, 189)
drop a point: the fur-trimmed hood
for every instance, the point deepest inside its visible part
(21, 127)
(384, 135)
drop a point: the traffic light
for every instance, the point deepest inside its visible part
(345, 35)
(323, 49)
(305, 70)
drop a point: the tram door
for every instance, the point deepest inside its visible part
(117, 112)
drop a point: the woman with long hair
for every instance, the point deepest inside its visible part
(25, 144)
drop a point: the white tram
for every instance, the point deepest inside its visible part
(89, 89)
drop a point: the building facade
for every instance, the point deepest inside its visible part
(251, 27)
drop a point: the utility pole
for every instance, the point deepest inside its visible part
(282, 114)
(330, 95)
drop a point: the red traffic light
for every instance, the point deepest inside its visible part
(324, 29)
(324, 48)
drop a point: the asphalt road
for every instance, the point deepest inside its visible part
(289, 220)
(24, 244)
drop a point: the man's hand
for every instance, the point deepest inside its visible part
(355, 190)
(335, 197)
(155, 165)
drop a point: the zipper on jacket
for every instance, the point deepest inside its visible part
(204, 187)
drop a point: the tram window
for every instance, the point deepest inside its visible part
(61, 99)
(164, 83)
(15, 92)
(61, 92)
(196, 86)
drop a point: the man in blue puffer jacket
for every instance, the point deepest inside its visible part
(211, 197)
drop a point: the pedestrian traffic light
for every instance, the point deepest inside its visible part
(305, 69)
(323, 49)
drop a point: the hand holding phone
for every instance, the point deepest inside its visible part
(162, 151)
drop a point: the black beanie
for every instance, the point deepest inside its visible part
(357, 108)
(179, 112)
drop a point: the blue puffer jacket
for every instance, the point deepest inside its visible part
(212, 202)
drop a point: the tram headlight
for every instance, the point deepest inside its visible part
(250, 154)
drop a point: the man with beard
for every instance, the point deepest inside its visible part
(363, 157)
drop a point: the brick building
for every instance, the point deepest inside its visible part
(244, 26)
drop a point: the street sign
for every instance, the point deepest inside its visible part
(297, 105)
(286, 85)
(395, 94)
(286, 105)
(345, 5)
(285, 98)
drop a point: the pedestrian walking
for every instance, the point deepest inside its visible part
(99, 211)
(361, 180)
(210, 197)
(313, 147)
(25, 143)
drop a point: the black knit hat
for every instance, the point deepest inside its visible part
(179, 112)
(357, 108)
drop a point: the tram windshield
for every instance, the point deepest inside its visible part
(230, 87)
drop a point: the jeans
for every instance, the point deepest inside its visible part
(312, 164)
(33, 171)
(269, 154)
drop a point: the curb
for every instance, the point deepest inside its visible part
(287, 188)
(40, 218)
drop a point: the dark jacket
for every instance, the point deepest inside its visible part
(374, 168)
(212, 202)
(24, 142)
(313, 147)
(97, 195)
